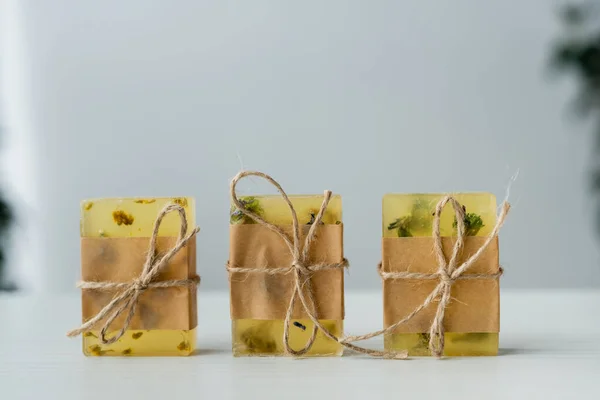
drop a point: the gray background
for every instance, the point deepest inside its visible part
(143, 98)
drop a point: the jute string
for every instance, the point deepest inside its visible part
(448, 272)
(127, 299)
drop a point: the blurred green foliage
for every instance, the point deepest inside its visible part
(5, 222)
(6, 219)
(578, 53)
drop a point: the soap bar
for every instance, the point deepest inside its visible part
(259, 301)
(407, 219)
(115, 236)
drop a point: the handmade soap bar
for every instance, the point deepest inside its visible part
(474, 304)
(259, 301)
(115, 235)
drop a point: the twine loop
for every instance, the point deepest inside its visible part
(126, 301)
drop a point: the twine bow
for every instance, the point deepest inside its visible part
(447, 273)
(300, 268)
(127, 300)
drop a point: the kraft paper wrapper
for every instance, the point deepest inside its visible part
(122, 260)
(475, 304)
(262, 296)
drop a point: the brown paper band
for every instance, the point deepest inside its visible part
(120, 260)
(265, 282)
(475, 305)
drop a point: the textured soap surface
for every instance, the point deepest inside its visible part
(135, 217)
(257, 337)
(411, 215)
(253, 337)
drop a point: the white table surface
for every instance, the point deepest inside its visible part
(550, 349)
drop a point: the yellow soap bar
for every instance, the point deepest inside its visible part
(135, 217)
(259, 337)
(411, 215)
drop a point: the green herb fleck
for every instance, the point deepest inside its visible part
(184, 346)
(122, 218)
(137, 335)
(250, 203)
(258, 341)
(473, 223)
(144, 201)
(423, 340)
(96, 350)
(300, 325)
(419, 219)
(402, 225)
(127, 352)
(182, 201)
(313, 217)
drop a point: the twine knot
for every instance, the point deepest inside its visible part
(445, 277)
(127, 299)
(139, 286)
(300, 268)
